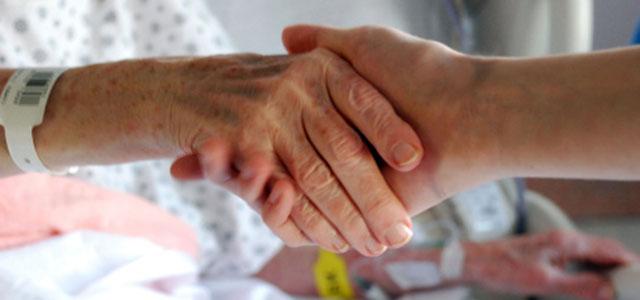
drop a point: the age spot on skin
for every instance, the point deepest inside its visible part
(250, 91)
(245, 72)
(269, 70)
(219, 112)
(227, 115)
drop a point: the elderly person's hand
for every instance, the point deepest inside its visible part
(542, 264)
(269, 111)
(529, 265)
(280, 110)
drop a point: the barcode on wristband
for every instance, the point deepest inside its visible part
(35, 88)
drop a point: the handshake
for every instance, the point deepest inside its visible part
(339, 143)
(309, 128)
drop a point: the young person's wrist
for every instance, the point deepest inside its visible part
(498, 105)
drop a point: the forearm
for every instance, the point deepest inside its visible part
(568, 116)
(98, 114)
(292, 268)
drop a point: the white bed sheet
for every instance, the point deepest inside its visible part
(89, 265)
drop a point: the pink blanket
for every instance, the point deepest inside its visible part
(34, 207)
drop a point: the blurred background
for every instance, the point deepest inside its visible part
(492, 27)
(255, 25)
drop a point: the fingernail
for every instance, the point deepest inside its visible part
(340, 245)
(274, 197)
(375, 248)
(398, 235)
(344, 248)
(404, 154)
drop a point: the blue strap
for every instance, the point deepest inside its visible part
(636, 36)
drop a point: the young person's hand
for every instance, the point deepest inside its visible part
(483, 118)
(432, 88)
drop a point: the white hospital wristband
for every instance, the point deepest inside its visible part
(22, 107)
(452, 261)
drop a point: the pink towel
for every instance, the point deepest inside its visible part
(34, 207)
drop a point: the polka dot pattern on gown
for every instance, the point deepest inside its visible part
(72, 33)
(69, 33)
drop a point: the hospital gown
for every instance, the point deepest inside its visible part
(233, 239)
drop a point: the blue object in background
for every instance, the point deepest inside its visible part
(636, 36)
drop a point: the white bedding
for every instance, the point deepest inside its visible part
(94, 266)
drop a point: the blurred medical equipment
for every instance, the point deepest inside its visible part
(636, 36)
(501, 27)
(533, 28)
(625, 280)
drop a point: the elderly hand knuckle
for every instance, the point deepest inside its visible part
(313, 223)
(339, 207)
(382, 121)
(362, 96)
(312, 174)
(352, 218)
(348, 148)
(307, 216)
(378, 206)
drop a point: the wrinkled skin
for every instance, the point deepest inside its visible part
(432, 87)
(274, 137)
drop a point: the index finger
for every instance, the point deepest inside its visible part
(359, 175)
(597, 250)
(370, 112)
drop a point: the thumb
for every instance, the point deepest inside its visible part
(304, 38)
(300, 38)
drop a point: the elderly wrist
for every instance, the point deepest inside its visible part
(160, 88)
(473, 263)
(184, 108)
(99, 114)
(56, 138)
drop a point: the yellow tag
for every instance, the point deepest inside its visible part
(332, 277)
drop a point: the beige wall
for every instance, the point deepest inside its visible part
(255, 24)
